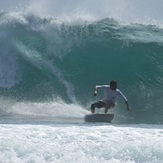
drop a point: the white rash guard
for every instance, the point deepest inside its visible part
(111, 94)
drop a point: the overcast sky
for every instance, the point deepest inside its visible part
(129, 10)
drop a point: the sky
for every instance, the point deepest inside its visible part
(125, 10)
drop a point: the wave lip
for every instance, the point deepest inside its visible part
(123, 11)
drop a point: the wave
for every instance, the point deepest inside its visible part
(43, 58)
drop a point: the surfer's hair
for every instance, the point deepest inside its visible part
(113, 83)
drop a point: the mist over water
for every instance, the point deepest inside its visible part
(135, 11)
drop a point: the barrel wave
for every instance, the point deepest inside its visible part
(43, 59)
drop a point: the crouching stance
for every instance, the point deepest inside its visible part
(110, 97)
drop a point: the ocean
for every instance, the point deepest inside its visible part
(53, 53)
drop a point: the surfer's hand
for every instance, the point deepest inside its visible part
(127, 105)
(129, 109)
(95, 93)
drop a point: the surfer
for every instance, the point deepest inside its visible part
(110, 96)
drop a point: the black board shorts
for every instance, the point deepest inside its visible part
(101, 104)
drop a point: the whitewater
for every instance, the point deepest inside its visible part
(53, 53)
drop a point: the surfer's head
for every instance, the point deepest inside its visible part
(113, 85)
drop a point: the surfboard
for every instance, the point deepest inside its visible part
(99, 118)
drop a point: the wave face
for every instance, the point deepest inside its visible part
(42, 59)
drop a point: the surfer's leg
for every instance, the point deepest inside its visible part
(109, 104)
(93, 108)
(106, 109)
(99, 104)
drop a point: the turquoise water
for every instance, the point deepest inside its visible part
(43, 59)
